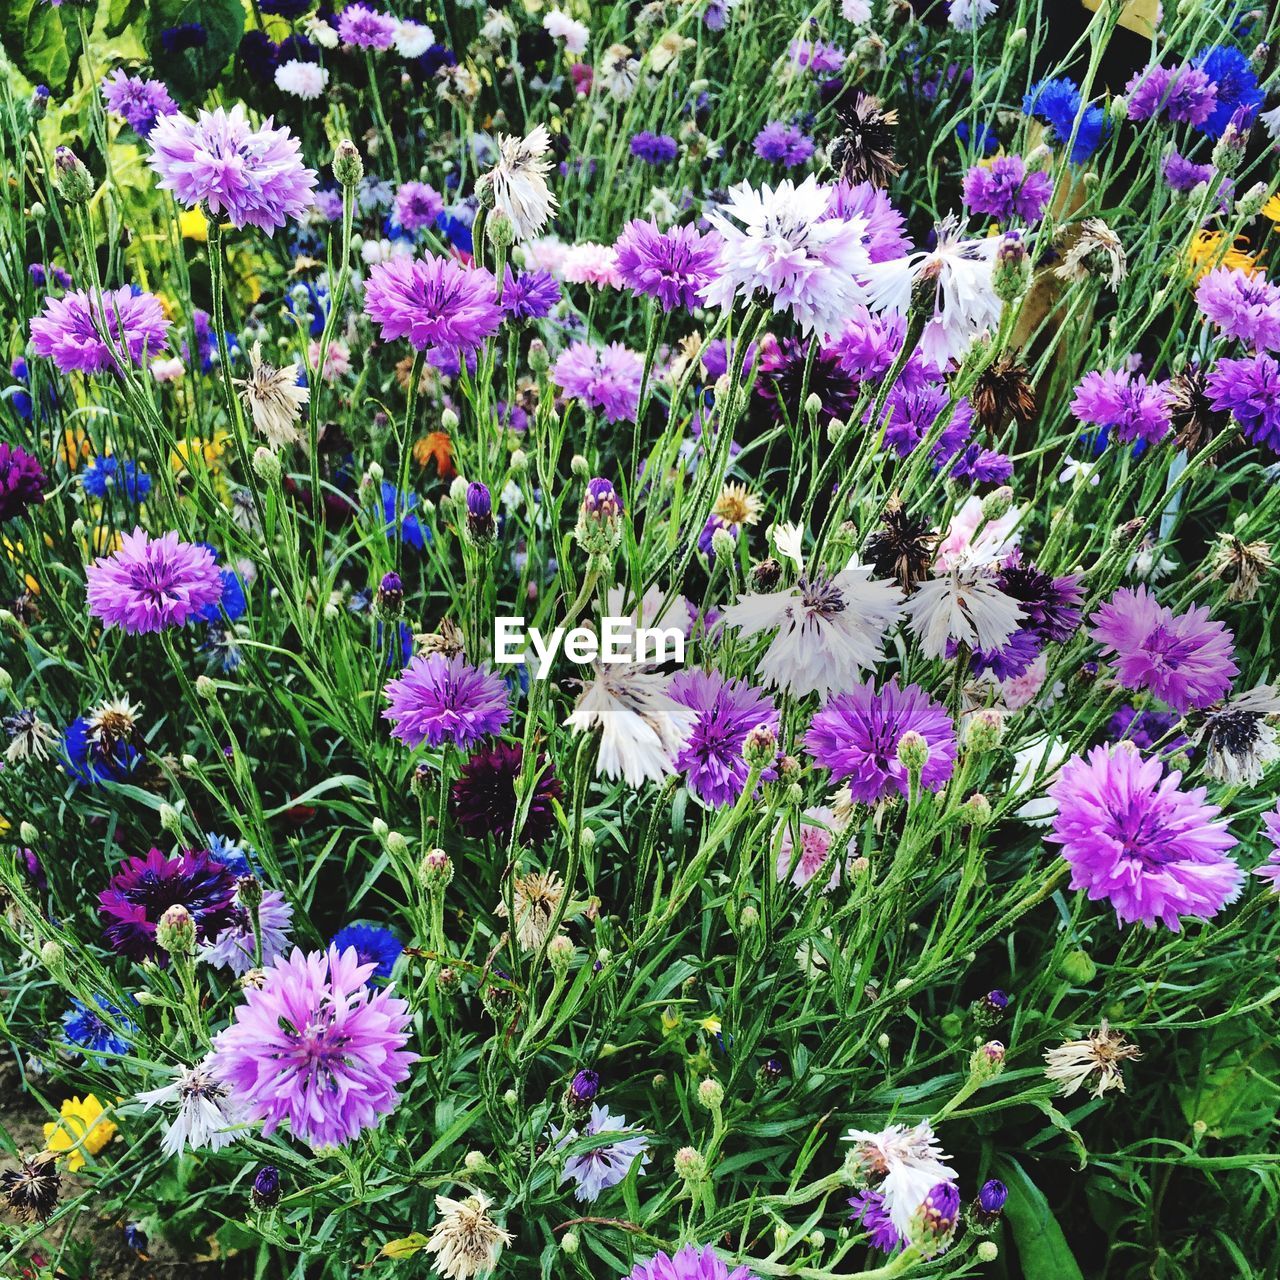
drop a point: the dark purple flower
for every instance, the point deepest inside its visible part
(1147, 728)
(482, 800)
(654, 148)
(22, 482)
(584, 1086)
(265, 1192)
(673, 266)
(417, 205)
(1051, 605)
(528, 295)
(1182, 174)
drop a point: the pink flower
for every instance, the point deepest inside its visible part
(591, 263)
(80, 335)
(152, 584)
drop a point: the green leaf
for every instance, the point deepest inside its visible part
(194, 71)
(39, 43)
(1042, 1248)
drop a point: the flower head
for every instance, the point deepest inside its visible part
(417, 206)
(363, 27)
(434, 302)
(1244, 306)
(207, 1117)
(151, 584)
(438, 699)
(483, 802)
(235, 946)
(965, 606)
(869, 1212)
(1003, 189)
(536, 898)
(673, 266)
(22, 481)
(863, 150)
(517, 184)
(81, 336)
(800, 859)
(32, 1189)
(1250, 391)
(139, 103)
(316, 1046)
(82, 1125)
(253, 177)
(604, 1165)
(465, 1240)
(606, 379)
(1131, 837)
(305, 80)
(688, 1263)
(274, 398)
(373, 945)
(905, 1164)
(97, 1030)
(1098, 1057)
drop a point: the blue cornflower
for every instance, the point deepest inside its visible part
(397, 509)
(1058, 103)
(1236, 83)
(88, 764)
(374, 945)
(983, 137)
(236, 857)
(222, 643)
(106, 475)
(233, 601)
(311, 300)
(456, 228)
(654, 148)
(89, 1032)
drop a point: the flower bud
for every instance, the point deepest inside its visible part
(72, 180)
(987, 1207)
(54, 958)
(997, 504)
(569, 1243)
(518, 462)
(748, 917)
(913, 751)
(397, 844)
(29, 833)
(760, 748)
(987, 1061)
(38, 103)
(724, 546)
(499, 230)
(1012, 270)
(560, 953)
(987, 1251)
(934, 1224)
(711, 1094)
(813, 404)
(170, 820)
(691, 1165)
(1078, 967)
(388, 599)
(1250, 204)
(176, 931)
(475, 1162)
(976, 810)
(766, 575)
(599, 527)
(348, 167)
(435, 871)
(989, 1010)
(206, 687)
(480, 523)
(266, 464)
(265, 1193)
(539, 358)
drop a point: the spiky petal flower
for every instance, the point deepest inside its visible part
(903, 1164)
(22, 481)
(82, 336)
(869, 1212)
(856, 735)
(965, 606)
(517, 184)
(606, 379)
(829, 630)
(1250, 391)
(1131, 837)
(863, 151)
(1097, 1058)
(536, 898)
(151, 584)
(253, 177)
(32, 1189)
(673, 266)
(139, 103)
(596, 1170)
(438, 699)
(235, 947)
(1187, 659)
(436, 303)
(789, 250)
(1243, 306)
(688, 1263)
(482, 799)
(465, 1240)
(207, 1118)
(804, 845)
(317, 1047)
(274, 398)
(1238, 738)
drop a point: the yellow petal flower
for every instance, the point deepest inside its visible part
(82, 1127)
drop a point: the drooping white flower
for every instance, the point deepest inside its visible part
(906, 1163)
(208, 1117)
(788, 250)
(274, 398)
(857, 12)
(829, 629)
(966, 606)
(964, 301)
(306, 80)
(518, 182)
(465, 1239)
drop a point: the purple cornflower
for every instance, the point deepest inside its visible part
(689, 1263)
(22, 481)
(417, 205)
(673, 266)
(234, 947)
(602, 1167)
(1250, 391)
(909, 416)
(253, 177)
(1131, 837)
(1051, 605)
(1243, 306)
(1126, 404)
(529, 295)
(782, 143)
(318, 1047)
(1004, 189)
(870, 1213)
(1185, 94)
(139, 103)
(816, 56)
(483, 802)
(366, 28)
(726, 711)
(584, 1087)
(1185, 659)
(1270, 870)
(868, 344)
(979, 465)
(434, 302)
(1182, 174)
(606, 379)
(438, 699)
(80, 336)
(882, 238)
(1146, 728)
(144, 888)
(1007, 662)
(654, 148)
(151, 584)
(856, 734)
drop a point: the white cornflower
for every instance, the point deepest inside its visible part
(1238, 743)
(788, 249)
(498, 25)
(518, 182)
(413, 39)
(562, 27)
(829, 629)
(112, 723)
(274, 398)
(1035, 769)
(207, 1117)
(857, 12)
(964, 302)
(465, 1239)
(1099, 1055)
(619, 72)
(536, 897)
(642, 728)
(969, 15)
(28, 736)
(905, 1164)
(319, 31)
(306, 80)
(966, 606)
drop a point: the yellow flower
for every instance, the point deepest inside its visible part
(710, 1025)
(1205, 252)
(211, 451)
(192, 224)
(16, 552)
(5, 824)
(83, 1127)
(1271, 210)
(76, 446)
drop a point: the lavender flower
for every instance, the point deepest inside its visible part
(1269, 871)
(438, 699)
(1132, 838)
(606, 379)
(1185, 95)
(1243, 306)
(417, 205)
(235, 946)
(782, 143)
(1126, 404)
(605, 1165)
(80, 336)
(688, 1263)
(151, 584)
(673, 266)
(253, 177)
(883, 236)
(1250, 391)
(434, 302)
(317, 1047)
(139, 103)
(363, 27)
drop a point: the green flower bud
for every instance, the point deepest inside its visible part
(984, 731)
(72, 180)
(913, 751)
(28, 833)
(1078, 967)
(206, 687)
(691, 1165)
(54, 958)
(266, 464)
(348, 167)
(435, 871)
(760, 748)
(711, 1094)
(176, 931)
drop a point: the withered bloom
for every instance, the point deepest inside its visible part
(863, 152)
(1240, 564)
(902, 547)
(1004, 391)
(33, 1188)
(1195, 421)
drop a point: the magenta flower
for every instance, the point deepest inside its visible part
(864, 202)
(672, 266)
(1186, 659)
(144, 888)
(438, 699)
(151, 584)
(22, 481)
(1132, 838)
(1270, 870)
(434, 302)
(606, 379)
(139, 103)
(726, 711)
(1004, 189)
(689, 1263)
(1129, 406)
(1185, 94)
(253, 177)
(417, 205)
(318, 1047)
(366, 28)
(80, 336)
(856, 736)
(1244, 307)
(1250, 391)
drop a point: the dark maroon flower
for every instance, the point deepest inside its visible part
(144, 888)
(21, 482)
(483, 799)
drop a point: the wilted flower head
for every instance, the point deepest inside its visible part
(1097, 1058)
(1097, 251)
(537, 898)
(274, 398)
(863, 150)
(517, 184)
(465, 1240)
(32, 1189)
(1239, 738)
